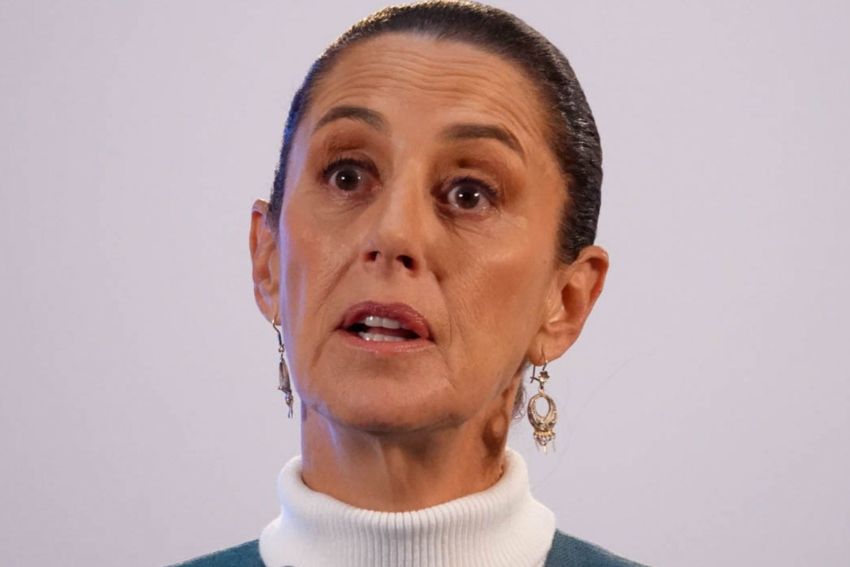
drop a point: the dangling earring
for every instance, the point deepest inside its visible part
(283, 381)
(544, 426)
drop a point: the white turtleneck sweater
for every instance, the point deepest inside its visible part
(503, 526)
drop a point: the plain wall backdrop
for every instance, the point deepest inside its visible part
(705, 412)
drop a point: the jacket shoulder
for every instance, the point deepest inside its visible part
(243, 555)
(568, 551)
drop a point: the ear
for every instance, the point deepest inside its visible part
(574, 291)
(265, 261)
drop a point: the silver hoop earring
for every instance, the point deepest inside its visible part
(544, 426)
(284, 384)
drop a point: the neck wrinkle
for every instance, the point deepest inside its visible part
(400, 473)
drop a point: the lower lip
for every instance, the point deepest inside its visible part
(384, 347)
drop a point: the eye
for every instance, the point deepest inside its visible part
(471, 195)
(347, 174)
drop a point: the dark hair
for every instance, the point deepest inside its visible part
(573, 135)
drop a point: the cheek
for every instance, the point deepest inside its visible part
(311, 261)
(497, 300)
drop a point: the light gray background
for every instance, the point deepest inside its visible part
(704, 411)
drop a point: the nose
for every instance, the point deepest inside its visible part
(394, 239)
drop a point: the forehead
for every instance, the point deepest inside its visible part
(405, 73)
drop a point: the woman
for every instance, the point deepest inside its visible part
(429, 236)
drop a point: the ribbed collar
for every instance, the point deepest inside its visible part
(501, 526)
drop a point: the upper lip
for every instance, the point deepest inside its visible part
(409, 317)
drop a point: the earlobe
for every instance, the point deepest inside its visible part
(572, 297)
(264, 260)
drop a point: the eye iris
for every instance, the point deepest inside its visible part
(467, 197)
(347, 178)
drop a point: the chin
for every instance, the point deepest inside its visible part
(380, 393)
(386, 404)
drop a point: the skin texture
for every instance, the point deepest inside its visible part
(404, 431)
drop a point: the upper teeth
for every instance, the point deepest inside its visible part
(374, 321)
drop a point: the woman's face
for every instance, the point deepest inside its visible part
(421, 192)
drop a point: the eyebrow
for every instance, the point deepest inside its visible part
(465, 131)
(359, 113)
(476, 131)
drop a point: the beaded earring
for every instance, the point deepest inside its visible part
(544, 425)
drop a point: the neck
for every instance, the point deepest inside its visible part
(405, 471)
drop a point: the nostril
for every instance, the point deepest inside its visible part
(406, 261)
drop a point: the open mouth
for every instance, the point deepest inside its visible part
(381, 322)
(374, 328)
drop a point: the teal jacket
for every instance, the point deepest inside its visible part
(566, 551)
